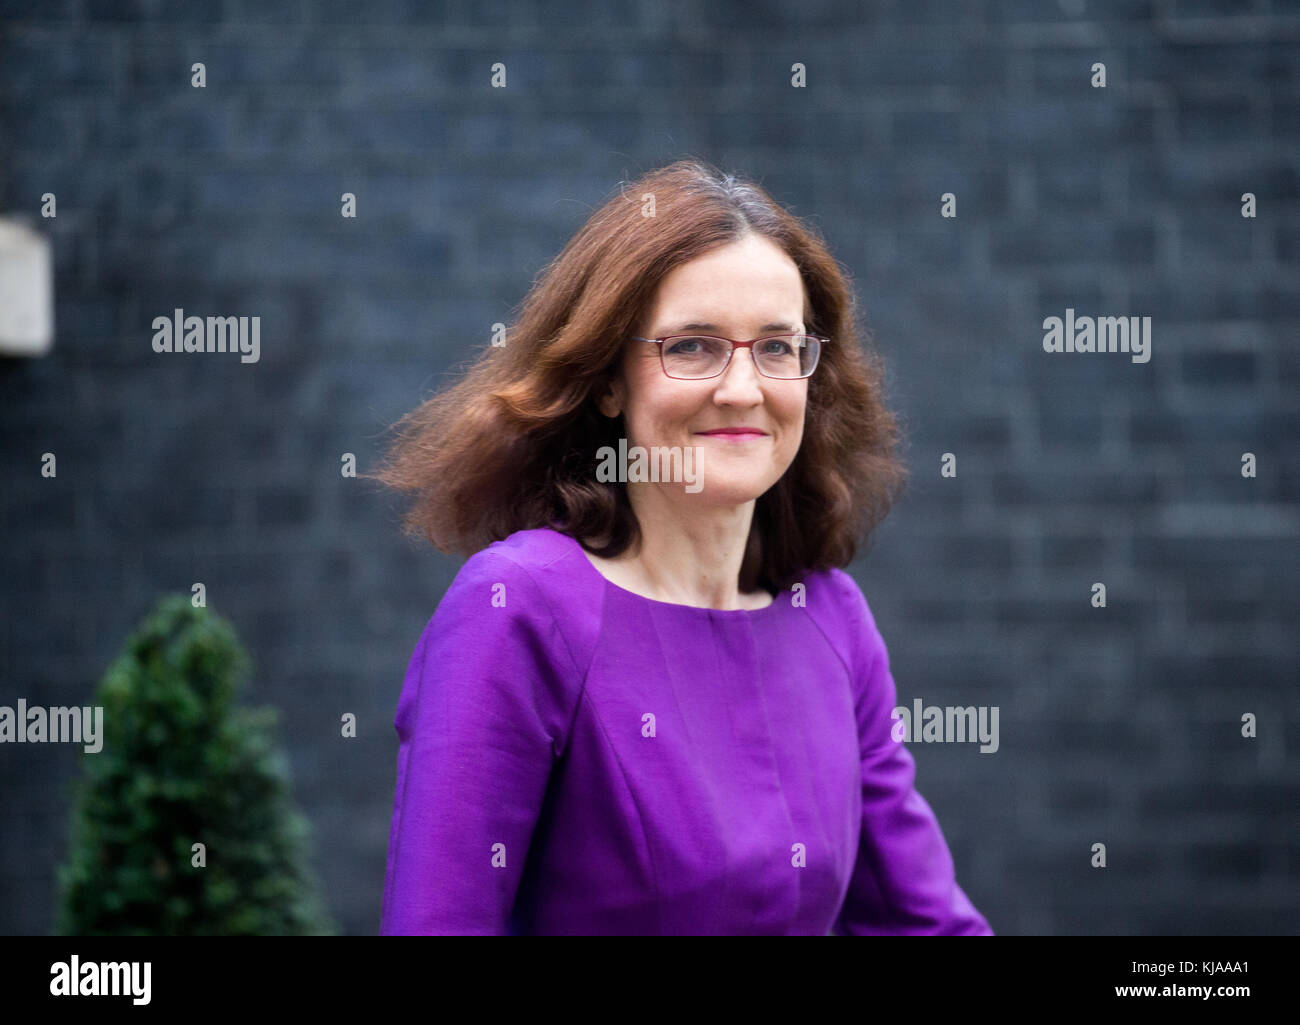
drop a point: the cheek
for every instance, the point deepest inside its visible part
(659, 414)
(791, 411)
(793, 419)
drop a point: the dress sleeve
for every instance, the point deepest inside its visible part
(903, 881)
(485, 710)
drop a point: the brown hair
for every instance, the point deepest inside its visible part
(513, 445)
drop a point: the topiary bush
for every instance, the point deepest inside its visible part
(182, 765)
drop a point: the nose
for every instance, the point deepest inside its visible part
(741, 381)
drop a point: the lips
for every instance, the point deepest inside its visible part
(737, 432)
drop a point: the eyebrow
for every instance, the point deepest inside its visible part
(714, 327)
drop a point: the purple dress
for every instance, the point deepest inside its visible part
(578, 759)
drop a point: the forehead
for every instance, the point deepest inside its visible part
(750, 284)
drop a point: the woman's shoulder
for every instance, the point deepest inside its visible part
(541, 577)
(834, 592)
(500, 634)
(552, 561)
(837, 603)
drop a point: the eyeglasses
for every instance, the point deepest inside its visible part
(698, 357)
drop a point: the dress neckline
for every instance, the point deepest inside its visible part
(591, 567)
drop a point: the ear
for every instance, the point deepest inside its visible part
(611, 400)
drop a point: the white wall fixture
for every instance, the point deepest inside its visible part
(26, 291)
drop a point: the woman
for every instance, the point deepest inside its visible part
(656, 703)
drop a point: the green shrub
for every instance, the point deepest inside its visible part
(182, 765)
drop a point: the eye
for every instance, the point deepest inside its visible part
(777, 346)
(695, 346)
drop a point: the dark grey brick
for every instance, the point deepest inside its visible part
(1076, 241)
(1028, 12)
(283, 506)
(1213, 119)
(1060, 423)
(1220, 369)
(1070, 483)
(1147, 427)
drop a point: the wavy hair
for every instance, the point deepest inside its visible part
(513, 444)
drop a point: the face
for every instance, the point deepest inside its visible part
(746, 289)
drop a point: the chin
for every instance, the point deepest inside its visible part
(729, 493)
